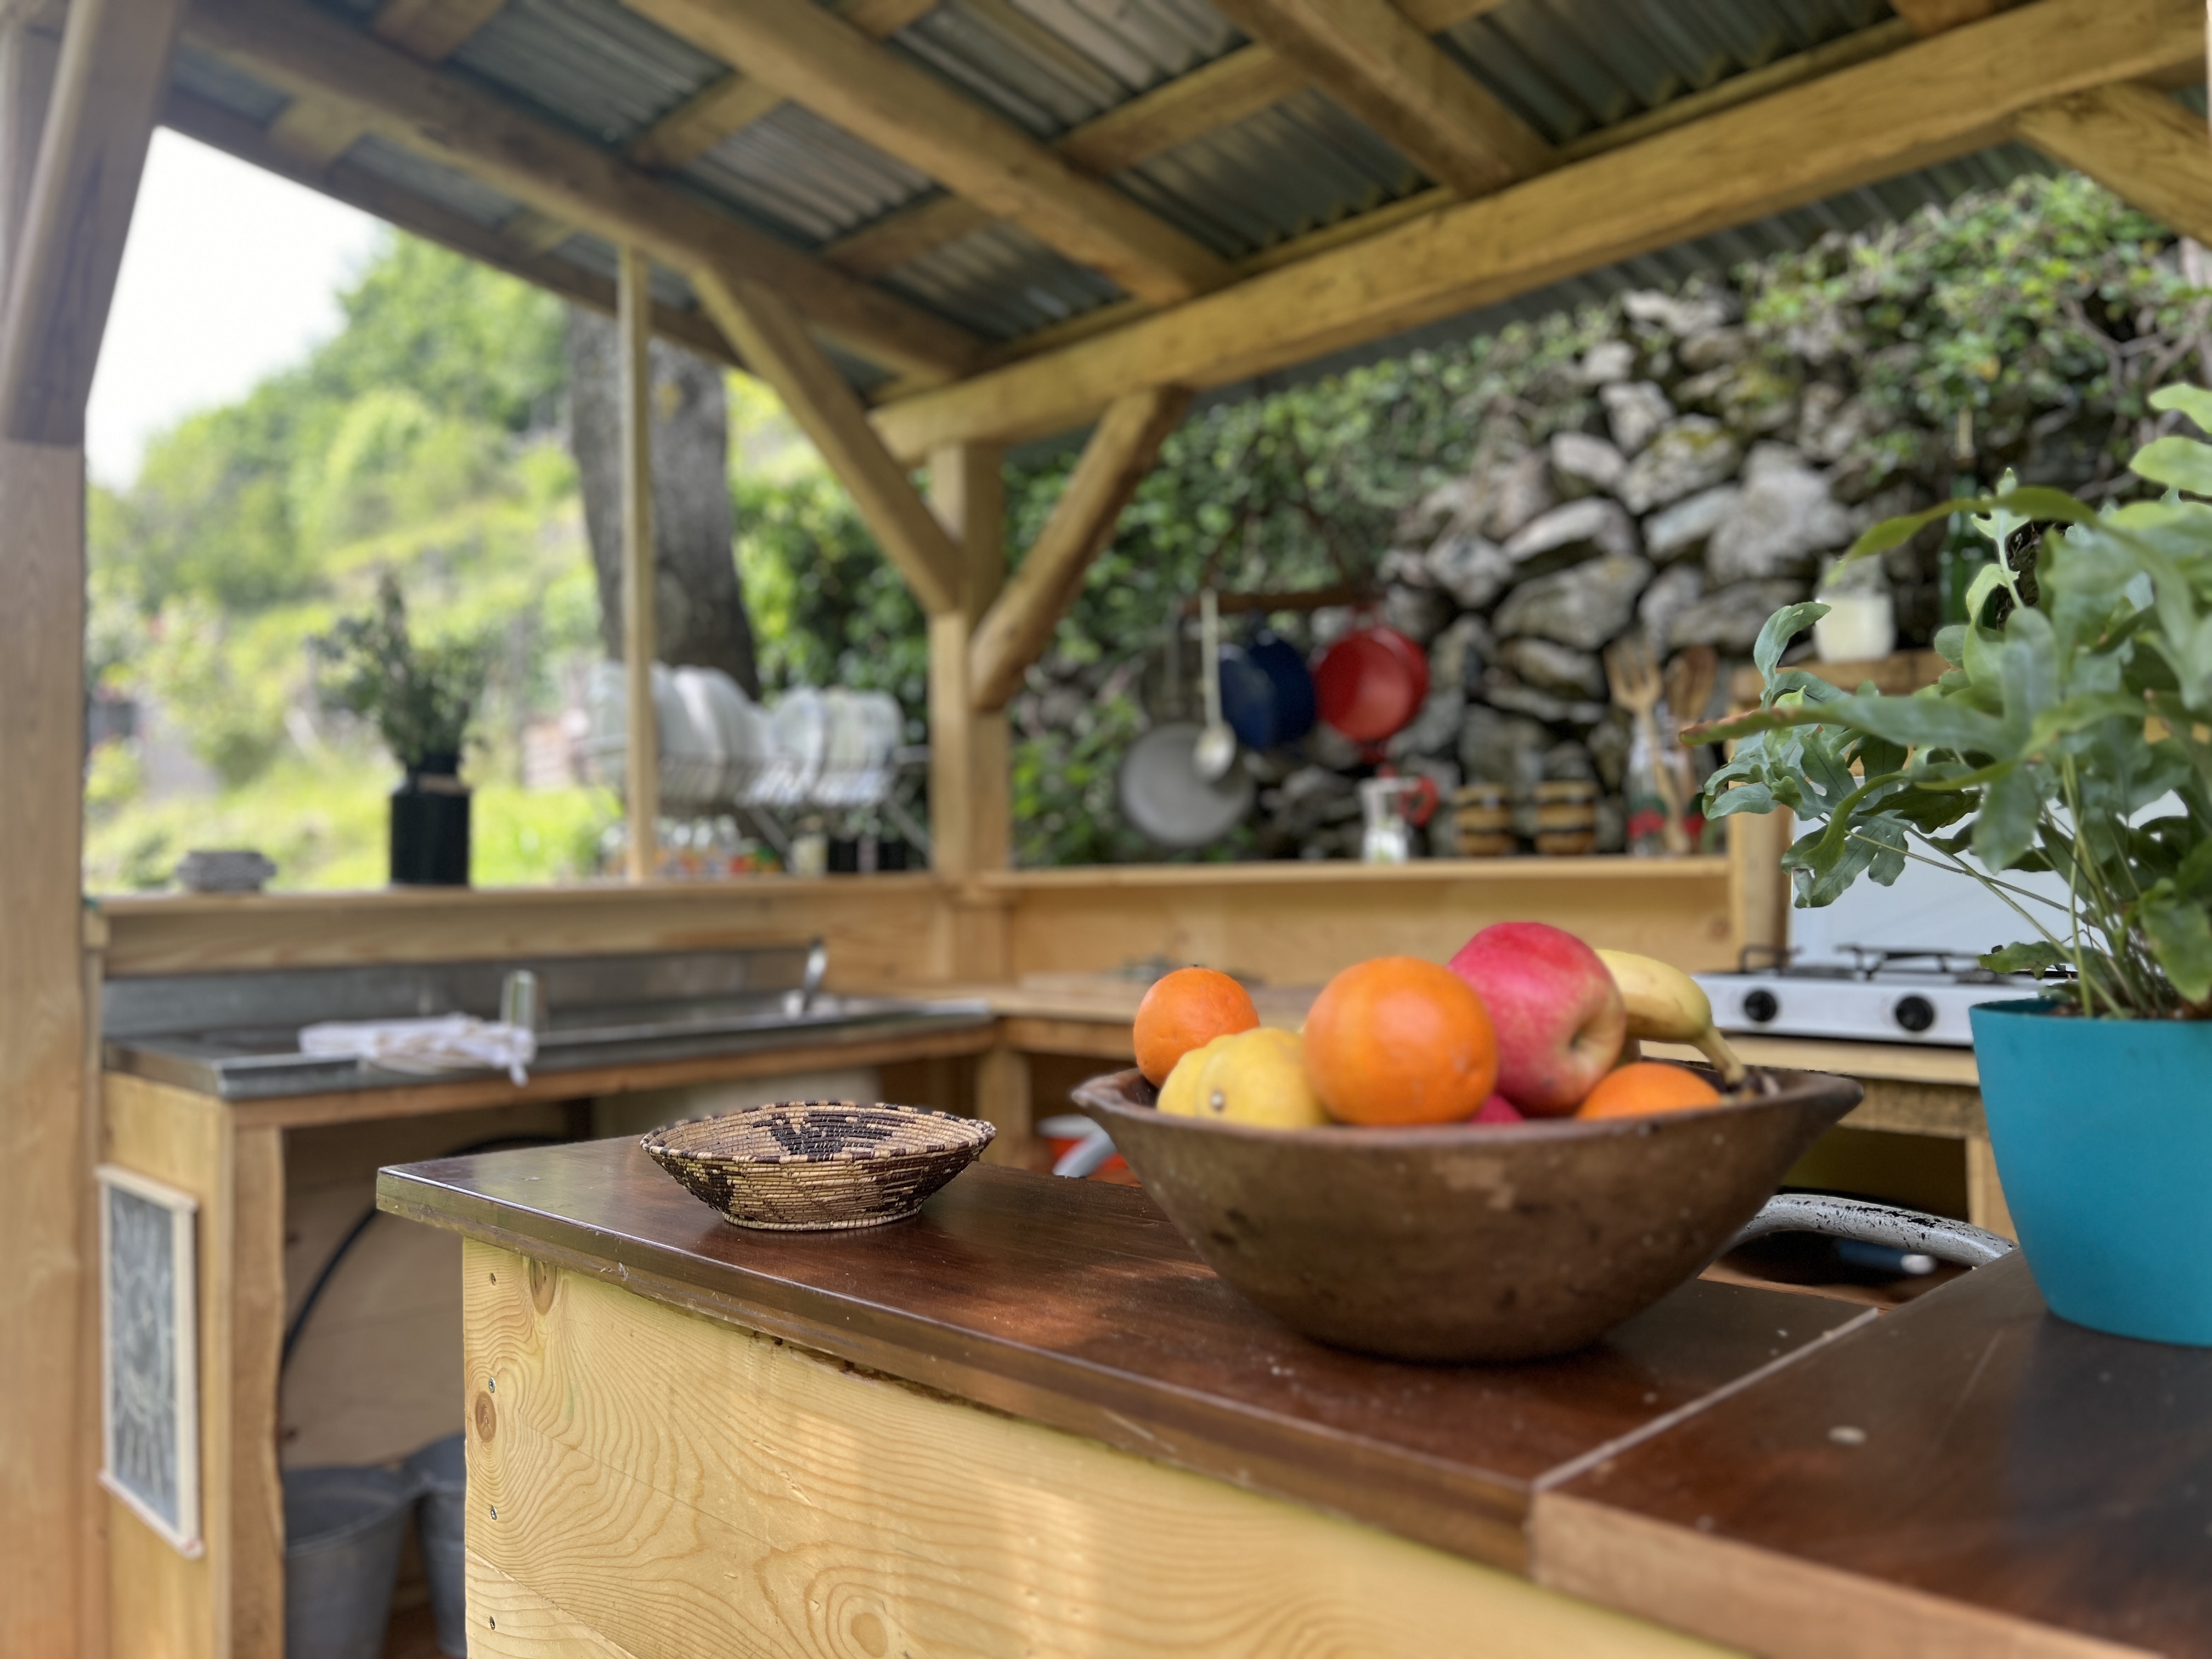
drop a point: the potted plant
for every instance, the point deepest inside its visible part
(2073, 734)
(420, 696)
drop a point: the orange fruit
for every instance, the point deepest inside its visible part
(1186, 1010)
(1647, 1086)
(1398, 1040)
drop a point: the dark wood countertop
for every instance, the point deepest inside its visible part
(1967, 1476)
(1077, 1304)
(1970, 1456)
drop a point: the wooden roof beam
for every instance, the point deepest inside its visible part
(1378, 63)
(310, 55)
(1924, 103)
(768, 330)
(2138, 144)
(113, 64)
(432, 30)
(219, 128)
(1019, 624)
(1928, 17)
(736, 101)
(819, 60)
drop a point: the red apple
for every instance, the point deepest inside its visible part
(1557, 1012)
(1496, 1109)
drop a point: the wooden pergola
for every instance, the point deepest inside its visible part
(877, 352)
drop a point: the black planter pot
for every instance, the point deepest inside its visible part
(430, 827)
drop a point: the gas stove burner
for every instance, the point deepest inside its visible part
(1880, 995)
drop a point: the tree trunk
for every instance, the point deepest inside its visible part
(699, 605)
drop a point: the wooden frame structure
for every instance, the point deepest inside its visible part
(882, 381)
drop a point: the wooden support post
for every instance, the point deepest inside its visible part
(968, 807)
(1016, 630)
(634, 332)
(970, 814)
(66, 203)
(1002, 1097)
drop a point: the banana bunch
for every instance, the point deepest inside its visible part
(1665, 1004)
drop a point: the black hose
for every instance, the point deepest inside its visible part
(298, 1322)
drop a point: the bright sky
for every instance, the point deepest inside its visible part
(230, 272)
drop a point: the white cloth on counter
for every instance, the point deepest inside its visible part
(448, 1042)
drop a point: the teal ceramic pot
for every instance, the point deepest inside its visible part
(2103, 1134)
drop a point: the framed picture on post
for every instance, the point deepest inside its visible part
(148, 1353)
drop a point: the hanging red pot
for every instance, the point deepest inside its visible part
(1370, 684)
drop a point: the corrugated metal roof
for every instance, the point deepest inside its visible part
(1002, 283)
(1569, 67)
(596, 67)
(1048, 65)
(433, 181)
(1304, 163)
(804, 176)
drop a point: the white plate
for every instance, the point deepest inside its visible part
(1164, 796)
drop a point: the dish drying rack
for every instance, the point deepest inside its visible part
(836, 750)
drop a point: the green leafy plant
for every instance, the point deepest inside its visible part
(2075, 716)
(418, 695)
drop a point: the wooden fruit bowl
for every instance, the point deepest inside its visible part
(1464, 1242)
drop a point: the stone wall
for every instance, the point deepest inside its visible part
(1673, 481)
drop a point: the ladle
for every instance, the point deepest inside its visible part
(1216, 751)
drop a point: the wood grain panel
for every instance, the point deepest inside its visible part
(45, 1181)
(1273, 922)
(882, 930)
(507, 1621)
(678, 1487)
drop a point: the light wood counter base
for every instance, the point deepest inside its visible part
(665, 1484)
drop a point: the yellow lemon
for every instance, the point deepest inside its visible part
(1179, 1094)
(1257, 1078)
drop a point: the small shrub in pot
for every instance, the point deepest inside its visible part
(2072, 734)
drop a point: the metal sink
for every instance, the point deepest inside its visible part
(236, 1036)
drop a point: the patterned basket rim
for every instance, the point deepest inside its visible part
(965, 1132)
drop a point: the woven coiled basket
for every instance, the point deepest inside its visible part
(818, 1166)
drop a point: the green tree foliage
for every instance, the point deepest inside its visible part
(417, 441)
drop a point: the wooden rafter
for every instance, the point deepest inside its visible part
(2138, 144)
(1926, 102)
(819, 60)
(897, 238)
(1241, 83)
(1935, 16)
(768, 331)
(432, 30)
(1374, 61)
(1016, 630)
(735, 102)
(310, 55)
(219, 128)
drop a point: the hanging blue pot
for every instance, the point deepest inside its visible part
(2102, 1130)
(1267, 692)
